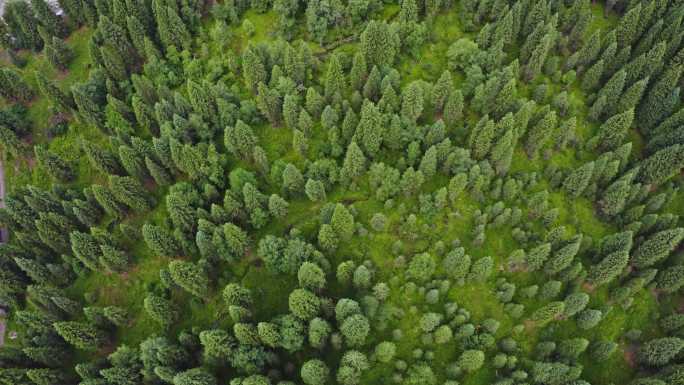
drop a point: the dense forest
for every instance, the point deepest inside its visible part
(352, 192)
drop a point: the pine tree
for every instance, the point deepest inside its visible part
(23, 24)
(628, 26)
(82, 335)
(354, 164)
(453, 108)
(578, 180)
(379, 43)
(109, 203)
(47, 376)
(253, 69)
(660, 351)
(612, 90)
(130, 192)
(369, 132)
(115, 36)
(13, 87)
(662, 165)
(592, 77)
(190, 277)
(612, 133)
(240, 139)
(481, 137)
(359, 71)
(269, 102)
(58, 53)
(342, 222)
(540, 133)
(202, 100)
(657, 247)
(53, 164)
(562, 258)
(161, 310)
(62, 100)
(160, 241)
(86, 249)
(651, 110)
(48, 19)
(113, 259)
(335, 83)
(502, 152)
(631, 97)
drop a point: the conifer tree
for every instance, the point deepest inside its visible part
(660, 351)
(628, 26)
(335, 83)
(82, 335)
(190, 277)
(342, 222)
(160, 241)
(379, 43)
(269, 102)
(612, 133)
(657, 247)
(369, 132)
(53, 164)
(652, 110)
(60, 99)
(578, 180)
(540, 133)
(53, 24)
(253, 69)
(58, 53)
(161, 310)
(662, 165)
(86, 249)
(631, 97)
(354, 164)
(13, 87)
(359, 71)
(412, 102)
(130, 192)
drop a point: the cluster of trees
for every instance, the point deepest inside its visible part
(198, 141)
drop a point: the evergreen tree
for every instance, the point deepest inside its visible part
(159, 240)
(130, 192)
(52, 23)
(628, 26)
(662, 165)
(354, 164)
(631, 97)
(161, 310)
(342, 222)
(190, 277)
(253, 68)
(13, 87)
(657, 247)
(578, 180)
(335, 83)
(612, 133)
(57, 97)
(369, 132)
(379, 43)
(53, 164)
(660, 351)
(81, 335)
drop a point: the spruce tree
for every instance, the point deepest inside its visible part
(190, 277)
(81, 335)
(612, 133)
(578, 180)
(657, 247)
(53, 164)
